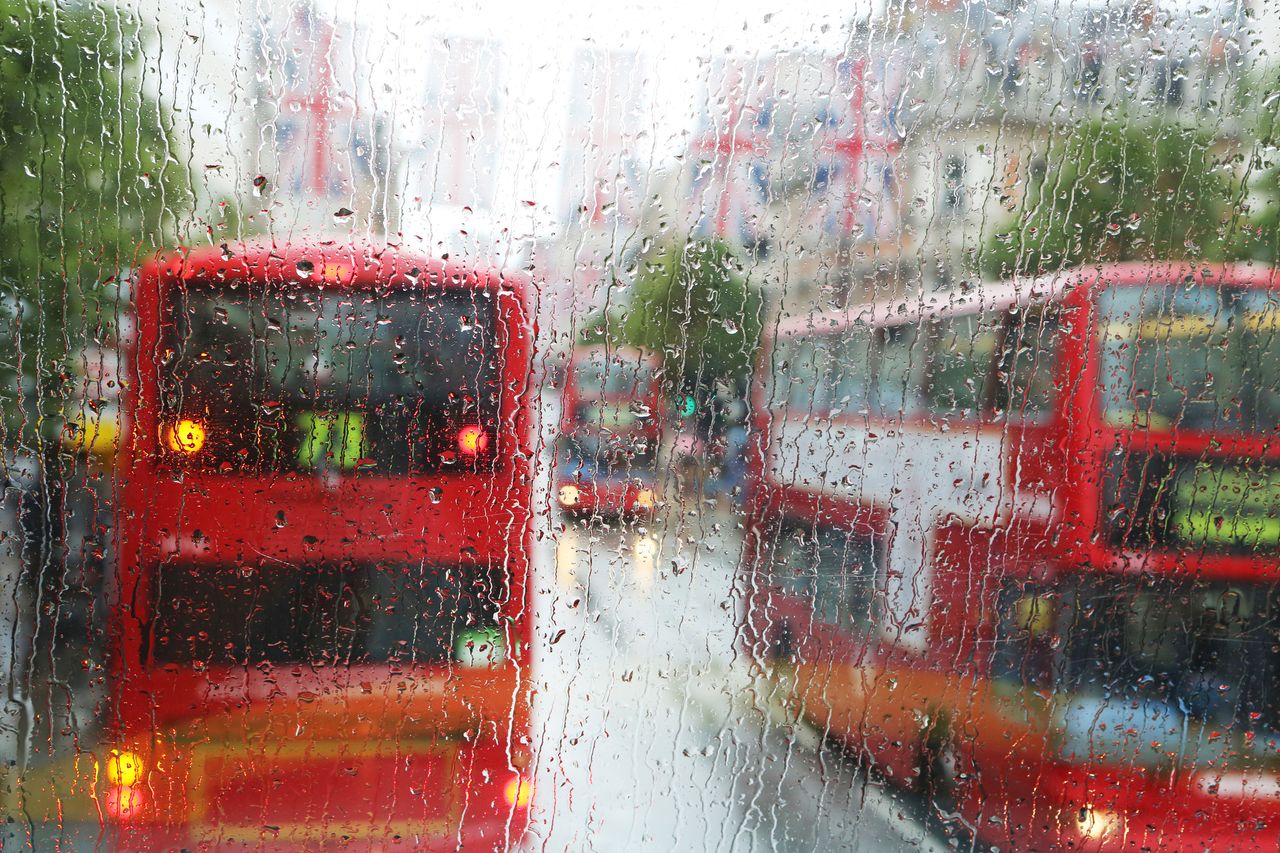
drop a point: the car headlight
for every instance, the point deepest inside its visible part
(570, 495)
(645, 499)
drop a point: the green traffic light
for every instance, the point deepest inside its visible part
(687, 406)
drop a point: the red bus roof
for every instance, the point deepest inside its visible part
(1002, 295)
(323, 262)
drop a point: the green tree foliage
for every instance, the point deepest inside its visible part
(1120, 190)
(692, 303)
(89, 182)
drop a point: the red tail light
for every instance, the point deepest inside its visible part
(472, 440)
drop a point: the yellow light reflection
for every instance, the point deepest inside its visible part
(123, 802)
(1097, 824)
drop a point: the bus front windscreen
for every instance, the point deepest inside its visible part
(1161, 667)
(1190, 356)
(307, 379)
(213, 614)
(1147, 671)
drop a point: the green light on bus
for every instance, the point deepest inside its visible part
(338, 433)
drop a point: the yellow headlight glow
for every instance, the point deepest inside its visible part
(518, 791)
(186, 436)
(125, 768)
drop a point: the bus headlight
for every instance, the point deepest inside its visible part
(1097, 824)
(125, 796)
(570, 495)
(185, 436)
(480, 647)
(125, 768)
(518, 791)
(473, 440)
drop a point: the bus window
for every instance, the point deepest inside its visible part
(897, 382)
(307, 379)
(848, 565)
(834, 570)
(805, 361)
(776, 380)
(1194, 652)
(960, 353)
(1196, 357)
(327, 614)
(827, 370)
(1026, 630)
(602, 373)
(852, 394)
(1024, 387)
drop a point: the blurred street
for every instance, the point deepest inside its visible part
(653, 733)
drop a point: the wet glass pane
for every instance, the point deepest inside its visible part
(665, 426)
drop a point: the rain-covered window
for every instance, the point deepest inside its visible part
(666, 426)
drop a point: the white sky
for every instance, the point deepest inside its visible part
(539, 43)
(205, 67)
(672, 28)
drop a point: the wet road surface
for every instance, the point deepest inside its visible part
(654, 734)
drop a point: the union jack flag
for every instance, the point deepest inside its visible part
(315, 147)
(764, 160)
(728, 155)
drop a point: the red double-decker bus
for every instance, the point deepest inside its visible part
(321, 621)
(1020, 546)
(610, 428)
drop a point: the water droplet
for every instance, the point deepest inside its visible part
(259, 185)
(342, 214)
(305, 269)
